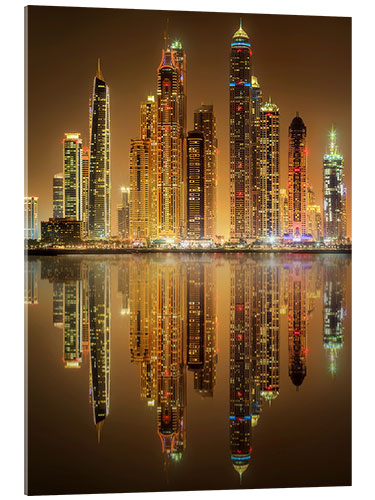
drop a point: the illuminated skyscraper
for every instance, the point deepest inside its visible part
(123, 214)
(313, 216)
(99, 321)
(297, 318)
(99, 219)
(205, 122)
(85, 187)
(72, 145)
(269, 171)
(139, 207)
(240, 406)
(297, 178)
(256, 104)
(149, 131)
(239, 130)
(334, 206)
(123, 286)
(58, 195)
(170, 147)
(31, 222)
(284, 212)
(195, 186)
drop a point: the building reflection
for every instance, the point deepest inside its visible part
(334, 309)
(171, 304)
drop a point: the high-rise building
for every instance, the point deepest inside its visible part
(31, 223)
(284, 212)
(85, 188)
(269, 171)
(139, 207)
(256, 104)
(195, 186)
(149, 131)
(239, 131)
(32, 271)
(58, 196)
(195, 320)
(58, 304)
(313, 216)
(123, 214)
(180, 61)
(170, 147)
(99, 217)
(205, 122)
(334, 205)
(72, 146)
(297, 178)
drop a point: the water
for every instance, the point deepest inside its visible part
(177, 372)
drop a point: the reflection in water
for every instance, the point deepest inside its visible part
(172, 308)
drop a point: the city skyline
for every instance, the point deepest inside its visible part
(314, 173)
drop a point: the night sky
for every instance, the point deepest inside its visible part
(302, 62)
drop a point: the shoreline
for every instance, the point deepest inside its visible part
(120, 251)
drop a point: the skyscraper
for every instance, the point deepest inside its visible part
(72, 325)
(58, 195)
(297, 178)
(313, 216)
(284, 212)
(31, 223)
(149, 132)
(99, 219)
(334, 205)
(239, 130)
(72, 145)
(256, 104)
(195, 320)
(85, 187)
(269, 172)
(195, 185)
(139, 207)
(123, 214)
(205, 122)
(170, 147)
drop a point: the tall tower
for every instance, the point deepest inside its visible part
(239, 131)
(31, 224)
(195, 186)
(297, 178)
(313, 217)
(139, 209)
(170, 144)
(99, 220)
(205, 122)
(85, 186)
(72, 168)
(256, 104)
(123, 214)
(269, 213)
(284, 212)
(149, 132)
(334, 204)
(58, 195)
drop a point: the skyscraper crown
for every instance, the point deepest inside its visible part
(241, 33)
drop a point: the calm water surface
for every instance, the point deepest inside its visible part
(177, 372)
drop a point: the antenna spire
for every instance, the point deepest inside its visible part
(166, 36)
(99, 73)
(241, 23)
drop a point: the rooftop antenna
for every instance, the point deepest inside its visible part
(166, 35)
(99, 73)
(241, 23)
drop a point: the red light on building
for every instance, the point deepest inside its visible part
(296, 332)
(239, 108)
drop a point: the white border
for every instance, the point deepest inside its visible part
(11, 122)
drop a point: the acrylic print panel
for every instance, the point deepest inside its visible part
(188, 251)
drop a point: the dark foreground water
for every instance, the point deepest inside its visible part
(178, 372)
